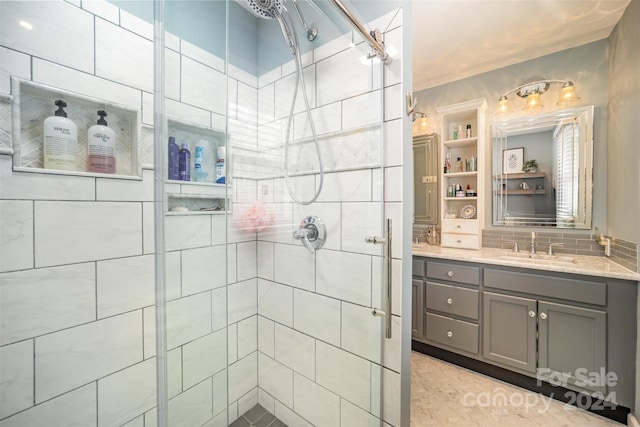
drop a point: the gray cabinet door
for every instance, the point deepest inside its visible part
(417, 309)
(572, 345)
(509, 331)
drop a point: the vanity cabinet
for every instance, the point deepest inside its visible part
(561, 328)
(417, 300)
(462, 164)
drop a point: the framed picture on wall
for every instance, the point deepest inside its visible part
(512, 159)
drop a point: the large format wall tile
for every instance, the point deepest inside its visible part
(317, 315)
(344, 374)
(203, 86)
(203, 357)
(16, 235)
(126, 190)
(243, 376)
(247, 336)
(342, 76)
(315, 403)
(276, 379)
(187, 319)
(36, 302)
(275, 302)
(127, 393)
(99, 348)
(193, 407)
(13, 63)
(358, 221)
(185, 232)
(45, 40)
(203, 269)
(352, 186)
(295, 350)
(16, 377)
(125, 284)
(344, 275)
(113, 228)
(361, 332)
(77, 408)
(295, 266)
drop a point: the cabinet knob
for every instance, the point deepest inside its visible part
(543, 316)
(458, 227)
(458, 241)
(449, 301)
(450, 273)
(532, 313)
(449, 334)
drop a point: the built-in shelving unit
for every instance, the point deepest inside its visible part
(462, 216)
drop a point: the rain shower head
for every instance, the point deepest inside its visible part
(267, 9)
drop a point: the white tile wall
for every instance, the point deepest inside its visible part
(78, 408)
(314, 403)
(40, 301)
(361, 219)
(362, 110)
(243, 376)
(265, 260)
(99, 348)
(232, 343)
(289, 417)
(16, 235)
(187, 319)
(248, 401)
(16, 378)
(203, 269)
(203, 357)
(125, 284)
(295, 266)
(45, 40)
(276, 379)
(242, 300)
(202, 56)
(127, 393)
(266, 401)
(266, 336)
(344, 373)
(126, 190)
(361, 332)
(295, 350)
(193, 407)
(275, 302)
(103, 9)
(185, 232)
(344, 275)
(12, 63)
(342, 76)
(218, 308)
(113, 228)
(247, 263)
(220, 393)
(284, 93)
(203, 86)
(317, 315)
(144, 28)
(247, 336)
(351, 415)
(352, 186)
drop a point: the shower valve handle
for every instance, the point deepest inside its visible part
(312, 233)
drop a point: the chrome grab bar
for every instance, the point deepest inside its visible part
(386, 276)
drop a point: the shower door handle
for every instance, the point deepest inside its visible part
(386, 276)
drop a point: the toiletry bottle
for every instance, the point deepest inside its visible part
(455, 134)
(220, 167)
(458, 164)
(60, 140)
(184, 163)
(468, 131)
(101, 142)
(460, 132)
(174, 156)
(472, 164)
(198, 174)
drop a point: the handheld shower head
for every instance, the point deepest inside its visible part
(266, 9)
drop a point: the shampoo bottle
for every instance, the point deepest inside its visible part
(101, 142)
(199, 175)
(184, 163)
(174, 154)
(220, 168)
(60, 140)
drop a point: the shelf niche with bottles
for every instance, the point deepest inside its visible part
(461, 169)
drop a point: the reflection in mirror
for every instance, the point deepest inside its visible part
(425, 179)
(542, 169)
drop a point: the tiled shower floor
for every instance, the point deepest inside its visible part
(258, 417)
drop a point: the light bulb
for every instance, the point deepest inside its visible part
(568, 95)
(533, 103)
(503, 106)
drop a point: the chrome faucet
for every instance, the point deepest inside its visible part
(515, 245)
(551, 245)
(533, 242)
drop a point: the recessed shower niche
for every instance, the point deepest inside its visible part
(33, 103)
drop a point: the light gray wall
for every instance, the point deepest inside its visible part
(622, 131)
(585, 65)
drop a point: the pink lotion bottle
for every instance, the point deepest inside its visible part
(102, 146)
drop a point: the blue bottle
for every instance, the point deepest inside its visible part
(174, 154)
(184, 163)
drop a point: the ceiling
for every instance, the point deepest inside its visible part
(455, 39)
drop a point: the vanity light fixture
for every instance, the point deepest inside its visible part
(421, 123)
(532, 93)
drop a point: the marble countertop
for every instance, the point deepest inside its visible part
(587, 265)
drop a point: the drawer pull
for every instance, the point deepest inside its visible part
(449, 301)
(458, 227)
(450, 334)
(450, 273)
(532, 313)
(458, 241)
(543, 316)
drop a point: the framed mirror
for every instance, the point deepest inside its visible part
(542, 170)
(425, 179)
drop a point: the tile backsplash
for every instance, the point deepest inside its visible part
(625, 253)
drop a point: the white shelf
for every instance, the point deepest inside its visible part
(461, 143)
(461, 198)
(459, 174)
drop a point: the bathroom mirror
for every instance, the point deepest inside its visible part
(425, 179)
(542, 170)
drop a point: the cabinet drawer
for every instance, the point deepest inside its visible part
(462, 241)
(453, 272)
(453, 300)
(418, 267)
(467, 226)
(590, 292)
(453, 333)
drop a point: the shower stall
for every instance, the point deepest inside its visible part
(271, 288)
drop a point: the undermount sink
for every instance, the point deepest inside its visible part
(537, 258)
